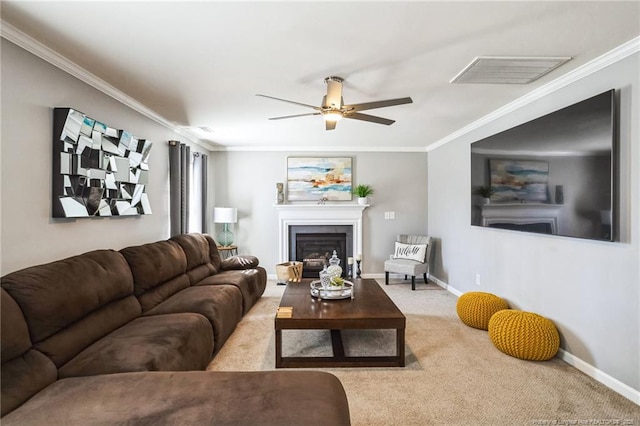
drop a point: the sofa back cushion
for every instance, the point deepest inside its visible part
(71, 303)
(25, 371)
(159, 271)
(202, 255)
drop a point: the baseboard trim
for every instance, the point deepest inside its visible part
(446, 286)
(599, 375)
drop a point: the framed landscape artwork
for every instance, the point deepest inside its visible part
(519, 180)
(315, 178)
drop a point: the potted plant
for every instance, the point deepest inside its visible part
(485, 192)
(363, 191)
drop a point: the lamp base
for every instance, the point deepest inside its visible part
(225, 237)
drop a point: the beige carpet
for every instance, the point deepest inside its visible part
(453, 375)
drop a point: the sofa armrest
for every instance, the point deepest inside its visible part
(239, 262)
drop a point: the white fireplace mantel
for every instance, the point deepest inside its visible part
(318, 214)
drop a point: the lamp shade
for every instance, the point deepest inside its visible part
(225, 214)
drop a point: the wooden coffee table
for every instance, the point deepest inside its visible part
(370, 308)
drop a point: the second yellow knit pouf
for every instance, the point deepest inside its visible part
(524, 335)
(476, 308)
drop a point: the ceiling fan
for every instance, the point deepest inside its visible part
(333, 109)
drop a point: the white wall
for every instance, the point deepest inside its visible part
(247, 180)
(31, 88)
(591, 290)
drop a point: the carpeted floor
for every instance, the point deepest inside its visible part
(453, 375)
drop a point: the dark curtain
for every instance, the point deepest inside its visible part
(204, 192)
(179, 166)
(180, 187)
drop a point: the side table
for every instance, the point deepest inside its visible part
(227, 251)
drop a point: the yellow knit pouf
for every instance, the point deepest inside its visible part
(524, 335)
(476, 308)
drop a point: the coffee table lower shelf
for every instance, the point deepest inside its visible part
(339, 359)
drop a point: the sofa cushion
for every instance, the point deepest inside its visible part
(24, 370)
(197, 250)
(251, 282)
(90, 292)
(15, 334)
(311, 398)
(159, 271)
(220, 304)
(171, 342)
(239, 262)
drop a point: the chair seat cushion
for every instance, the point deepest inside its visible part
(405, 266)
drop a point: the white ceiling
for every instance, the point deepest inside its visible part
(201, 63)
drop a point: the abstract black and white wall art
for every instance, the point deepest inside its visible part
(97, 170)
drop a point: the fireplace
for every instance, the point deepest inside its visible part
(333, 215)
(313, 245)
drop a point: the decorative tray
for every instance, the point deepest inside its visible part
(332, 293)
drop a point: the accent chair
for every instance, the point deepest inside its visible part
(411, 257)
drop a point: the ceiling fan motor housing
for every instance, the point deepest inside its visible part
(334, 78)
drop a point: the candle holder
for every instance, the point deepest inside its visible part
(358, 271)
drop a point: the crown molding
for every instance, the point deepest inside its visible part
(619, 53)
(31, 45)
(320, 148)
(14, 35)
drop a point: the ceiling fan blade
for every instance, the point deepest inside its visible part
(333, 98)
(290, 102)
(330, 124)
(294, 116)
(370, 118)
(378, 104)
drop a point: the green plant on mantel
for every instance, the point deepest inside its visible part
(485, 191)
(363, 191)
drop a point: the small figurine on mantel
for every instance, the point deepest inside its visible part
(279, 193)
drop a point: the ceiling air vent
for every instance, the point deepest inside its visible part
(507, 69)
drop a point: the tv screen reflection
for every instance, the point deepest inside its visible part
(552, 175)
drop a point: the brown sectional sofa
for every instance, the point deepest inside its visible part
(121, 337)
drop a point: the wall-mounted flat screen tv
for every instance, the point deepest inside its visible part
(552, 175)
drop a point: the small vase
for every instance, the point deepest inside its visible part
(362, 201)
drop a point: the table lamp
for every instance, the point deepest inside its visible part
(225, 215)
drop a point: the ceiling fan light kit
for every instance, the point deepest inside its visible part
(333, 108)
(332, 116)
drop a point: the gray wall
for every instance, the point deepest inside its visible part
(247, 180)
(30, 89)
(589, 289)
